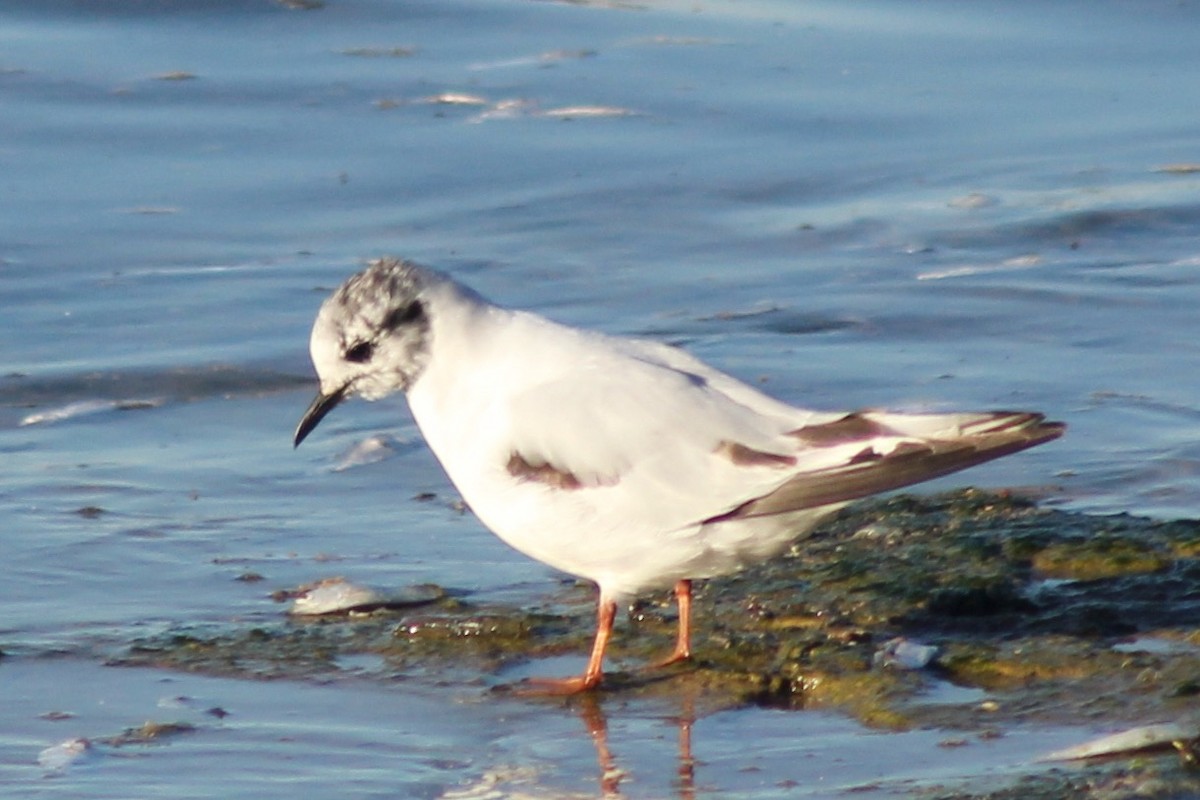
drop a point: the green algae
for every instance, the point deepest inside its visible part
(1099, 557)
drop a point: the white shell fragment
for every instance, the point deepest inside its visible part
(370, 450)
(64, 754)
(905, 654)
(339, 596)
(1129, 741)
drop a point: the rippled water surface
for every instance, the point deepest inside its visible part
(915, 205)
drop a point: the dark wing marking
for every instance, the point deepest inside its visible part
(912, 462)
(743, 456)
(850, 428)
(555, 478)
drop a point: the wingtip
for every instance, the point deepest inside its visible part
(997, 434)
(1047, 431)
(1032, 423)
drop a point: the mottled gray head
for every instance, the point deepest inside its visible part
(371, 337)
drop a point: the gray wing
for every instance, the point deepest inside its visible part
(927, 447)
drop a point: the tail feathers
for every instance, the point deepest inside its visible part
(942, 444)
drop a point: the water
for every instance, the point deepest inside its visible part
(915, 205)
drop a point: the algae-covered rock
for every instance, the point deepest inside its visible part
(1099, 557)
(1035, 607)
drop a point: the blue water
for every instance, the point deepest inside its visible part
(903, 204)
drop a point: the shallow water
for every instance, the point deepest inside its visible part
(352, 739)
(891, 204)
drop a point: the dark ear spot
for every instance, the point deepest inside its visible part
(360, 353)
(404, 315)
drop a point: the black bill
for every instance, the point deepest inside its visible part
(321, 405)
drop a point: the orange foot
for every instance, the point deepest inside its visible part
(556, 687)
(676, 657)
(606, 614)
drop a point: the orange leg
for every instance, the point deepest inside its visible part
(683, 638)
(606, 616)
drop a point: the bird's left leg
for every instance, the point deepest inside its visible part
(683, 637)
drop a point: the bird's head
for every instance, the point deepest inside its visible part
(371, 337)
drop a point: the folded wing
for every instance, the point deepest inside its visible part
(890, 451)
(652, 434)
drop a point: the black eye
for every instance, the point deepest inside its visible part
(360, 353)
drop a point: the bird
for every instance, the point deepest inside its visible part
(627, 462)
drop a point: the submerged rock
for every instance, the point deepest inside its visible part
(904, 654)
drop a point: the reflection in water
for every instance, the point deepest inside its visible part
(592, 713)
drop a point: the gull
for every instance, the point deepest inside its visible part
(627, 462)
